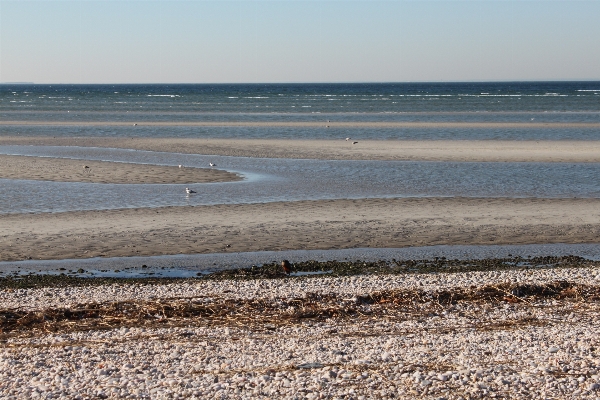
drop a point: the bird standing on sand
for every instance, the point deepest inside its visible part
(189, 191)
(354, 142)
(285, 264)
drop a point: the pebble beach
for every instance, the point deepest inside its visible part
(514, 346)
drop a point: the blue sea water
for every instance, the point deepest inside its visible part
(562, 105)
(521, 102)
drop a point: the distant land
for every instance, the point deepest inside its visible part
(16, 83)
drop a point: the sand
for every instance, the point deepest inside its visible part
(335, 224)
(432, 150)
(332, 224)
(67, 170)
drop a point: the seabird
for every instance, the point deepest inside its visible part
(347, 139)
(189, 191)
(212, 165)
(180, 166)
(354, 142)
(285, 264)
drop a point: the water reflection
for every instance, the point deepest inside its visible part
(269, 180)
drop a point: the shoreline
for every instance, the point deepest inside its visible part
(326, 149)
(315, 225)
(305, 264)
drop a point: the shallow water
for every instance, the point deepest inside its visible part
(284, 180)
(183, 266)
(269, 180)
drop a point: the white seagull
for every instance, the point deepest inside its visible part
(347, 139)
(189, 191)
(212, 165)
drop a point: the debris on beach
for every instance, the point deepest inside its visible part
(529, 327)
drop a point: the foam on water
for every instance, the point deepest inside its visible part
(457, 97)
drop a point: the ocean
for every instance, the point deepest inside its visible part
(573, 108)
(529, 105)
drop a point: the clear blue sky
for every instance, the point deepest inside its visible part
(297, 41)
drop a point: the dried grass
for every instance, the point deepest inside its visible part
(268, 313)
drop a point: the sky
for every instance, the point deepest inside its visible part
(298, 41)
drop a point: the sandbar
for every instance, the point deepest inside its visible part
(70, 170)
(325, 224)
(407, 150)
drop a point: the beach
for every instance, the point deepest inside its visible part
(299, 200)
(513, 333)
(301, 337)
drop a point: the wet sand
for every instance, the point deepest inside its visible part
(331, 224)
(67, 170)
(299, 225)
(432, 150)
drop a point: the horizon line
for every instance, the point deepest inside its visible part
(302, 82)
